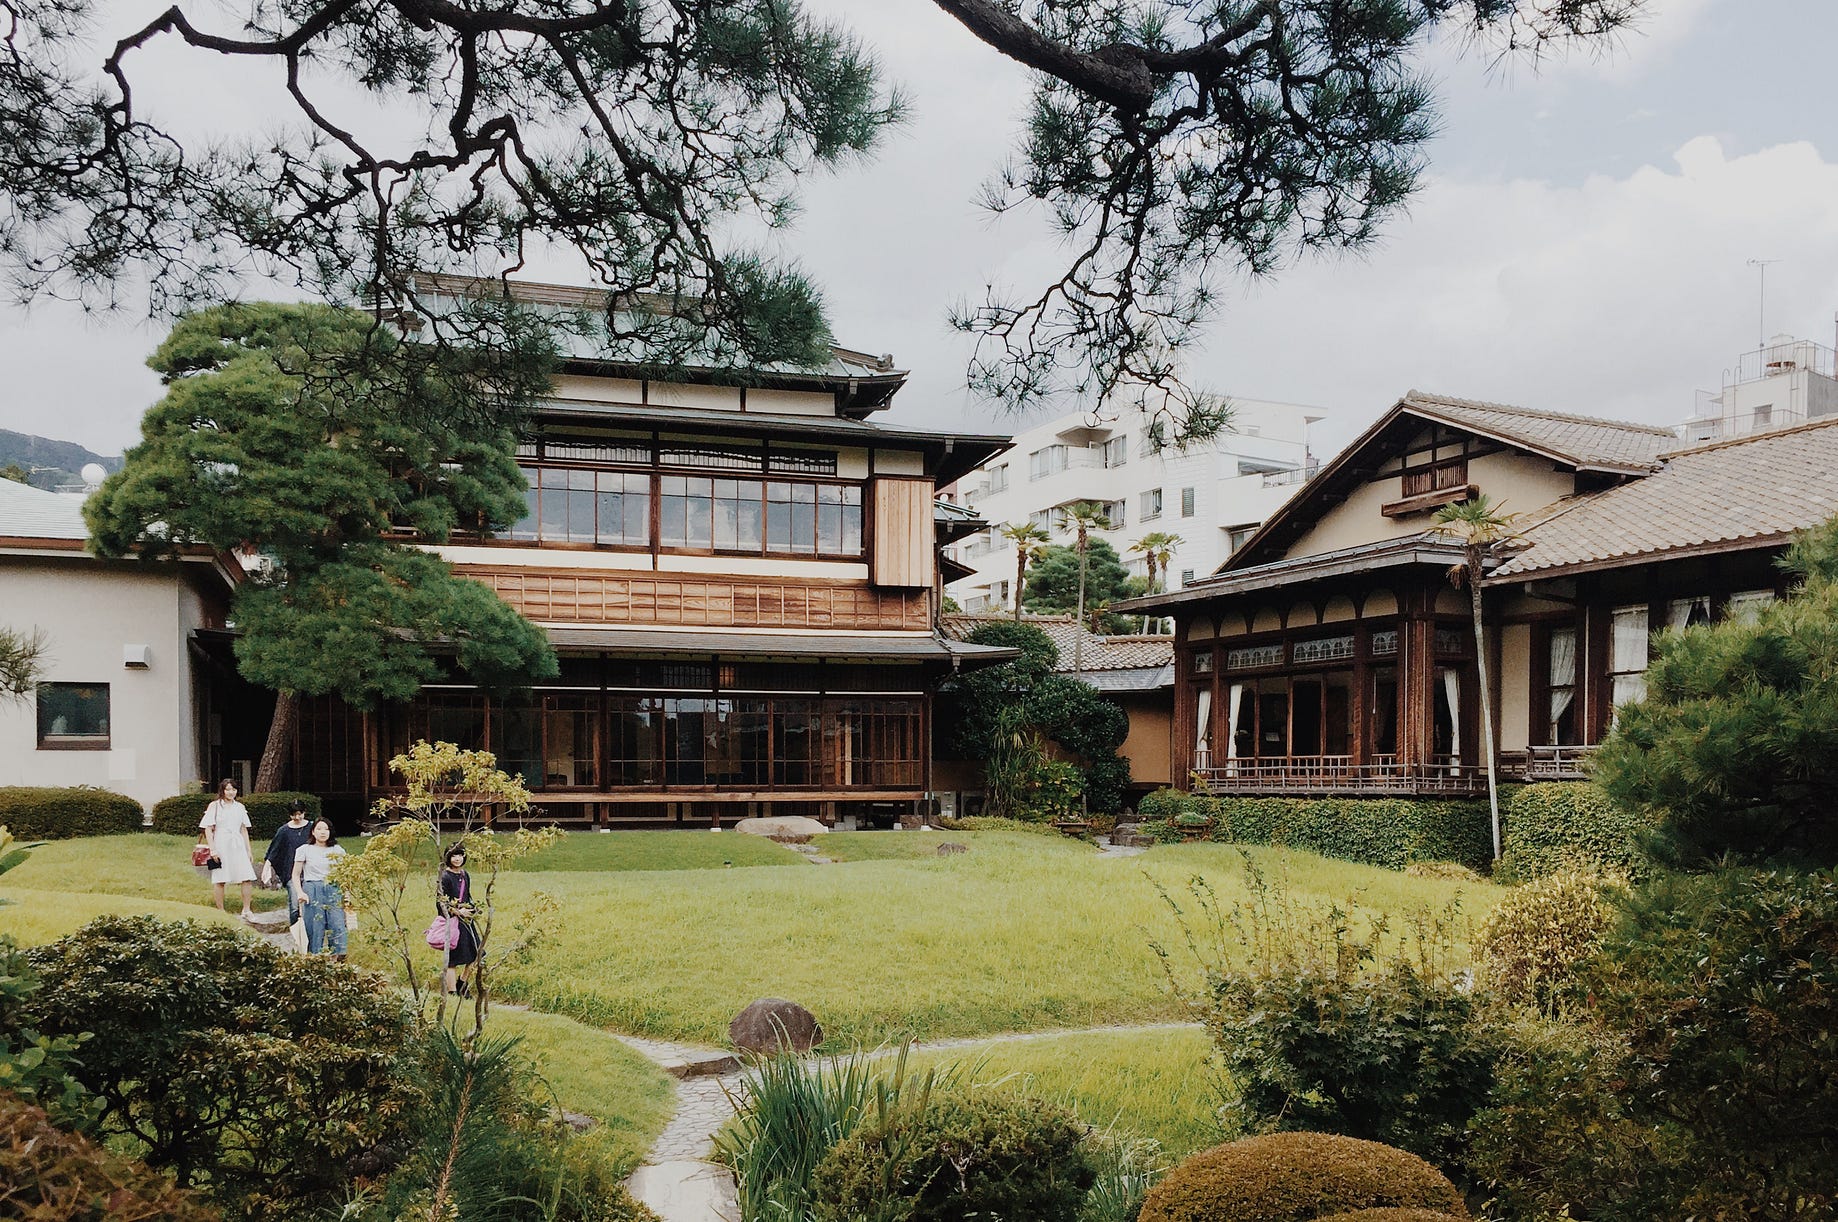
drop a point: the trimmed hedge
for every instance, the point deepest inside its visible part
(1390, 832)
(1293, 1177)
(1570, 825)
(34, 813)
(267, 811)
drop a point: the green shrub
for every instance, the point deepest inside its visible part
(995, 823)
(37, 1069)
(1555, 1139)
(228, 1062)
(1725, 990)
(1534, 941)
(32, 813)
(976, 1155)
(1332, 1023)
(179, 815)
(792, 1112)
(1389, 1215)
(48, 1175)
(1390, 832)
(1574, 825)
(1298, 1177)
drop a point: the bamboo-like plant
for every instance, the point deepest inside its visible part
(1157, 550)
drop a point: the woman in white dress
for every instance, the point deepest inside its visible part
(226, 831)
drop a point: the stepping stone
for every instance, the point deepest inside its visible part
(686, 1192)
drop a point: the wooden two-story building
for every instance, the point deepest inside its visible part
(740, 576)
(1333, 654)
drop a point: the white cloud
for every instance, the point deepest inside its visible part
(1614, 297)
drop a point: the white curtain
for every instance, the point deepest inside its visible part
(1679, 612)
(1746, 606)
(1236, 699)
(1628, 643)
(1203, 727)
(1629, 688)
(1451, 694)
(1563, 674)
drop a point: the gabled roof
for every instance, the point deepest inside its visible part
(1582, 443)
(1100, 653)
(1587, 443)
(1752, 491)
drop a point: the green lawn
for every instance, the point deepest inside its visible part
(1153, 1083)
(34, 916)
(594, 1074)
(1023, 933)
(922, 846)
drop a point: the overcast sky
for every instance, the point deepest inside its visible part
(1582, 244)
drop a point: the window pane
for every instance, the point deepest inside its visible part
(71, 712)
(803, 518)
(701, 512)
(727, 514)
(829, 529)
(632, 742)
(624, 501)
(570, 730)
(778, 517)
(515, 741)
(554, 503)
(852, 522)
(580, 506)
(673, 511)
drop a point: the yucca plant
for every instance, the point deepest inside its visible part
(789, 1113)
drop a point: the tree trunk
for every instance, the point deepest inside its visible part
(280, 740)
(1020, 576)
(1078, 639)
(1480, 664)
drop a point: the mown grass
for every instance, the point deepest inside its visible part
(33, 916)
(1023, 933)
(594, 1074)
(1152, 1083)
(146, 865)
(920, 846)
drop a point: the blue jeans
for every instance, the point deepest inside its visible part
(325, 919)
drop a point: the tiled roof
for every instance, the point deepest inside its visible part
(1761, 488)
(1101, 653)
(32, 513)
(1582, 440)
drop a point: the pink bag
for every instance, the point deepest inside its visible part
(443, 933)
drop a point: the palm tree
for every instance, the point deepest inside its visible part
(1157, 550)
(1478, 526)
(1029, 541)
(1084, 517)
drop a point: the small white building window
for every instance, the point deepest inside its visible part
(1627, 655)
(1151, 505)
(1187, 502)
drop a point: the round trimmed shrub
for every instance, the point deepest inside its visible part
(1570, 825)
(982, 1155)
(1389, 1215)
(39, 813)
(1535, 939)
(49, 1175)
(179, 815)
(1298, 1177)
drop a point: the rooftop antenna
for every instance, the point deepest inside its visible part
(1761, 320)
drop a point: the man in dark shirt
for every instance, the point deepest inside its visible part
(279, 864)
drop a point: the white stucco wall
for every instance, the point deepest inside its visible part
(88, 612)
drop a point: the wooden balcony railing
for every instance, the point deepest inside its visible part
(1569, 763)
(1329, 774)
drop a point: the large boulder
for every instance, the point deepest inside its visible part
(773, 1024)
(795, 829)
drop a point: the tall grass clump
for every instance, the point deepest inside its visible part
(790, 1113)
(1126, 1167)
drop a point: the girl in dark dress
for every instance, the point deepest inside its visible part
(455, 900)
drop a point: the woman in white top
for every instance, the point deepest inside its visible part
(322, 905)
(226, 831)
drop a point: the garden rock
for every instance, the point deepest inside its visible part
(773, 1024)
(795, 828)
(951, 848)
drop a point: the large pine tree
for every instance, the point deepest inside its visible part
(258, 445)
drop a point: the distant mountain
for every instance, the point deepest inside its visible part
(51, 462)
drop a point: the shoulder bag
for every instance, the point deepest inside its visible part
(444, 931)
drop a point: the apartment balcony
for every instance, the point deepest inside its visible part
(1300, 775)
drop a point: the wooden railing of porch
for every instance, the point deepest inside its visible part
(1323, 774)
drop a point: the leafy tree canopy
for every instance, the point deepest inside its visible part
(1172, 142)
(256, 444)
(1053, 581)
(1736, 743)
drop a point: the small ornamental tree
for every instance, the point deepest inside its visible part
(1053, 579)
(1735, 746)
(446, 787)
(22, 660)
(320, 441)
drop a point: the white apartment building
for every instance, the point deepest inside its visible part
(1786, 381)
(1212, 496)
